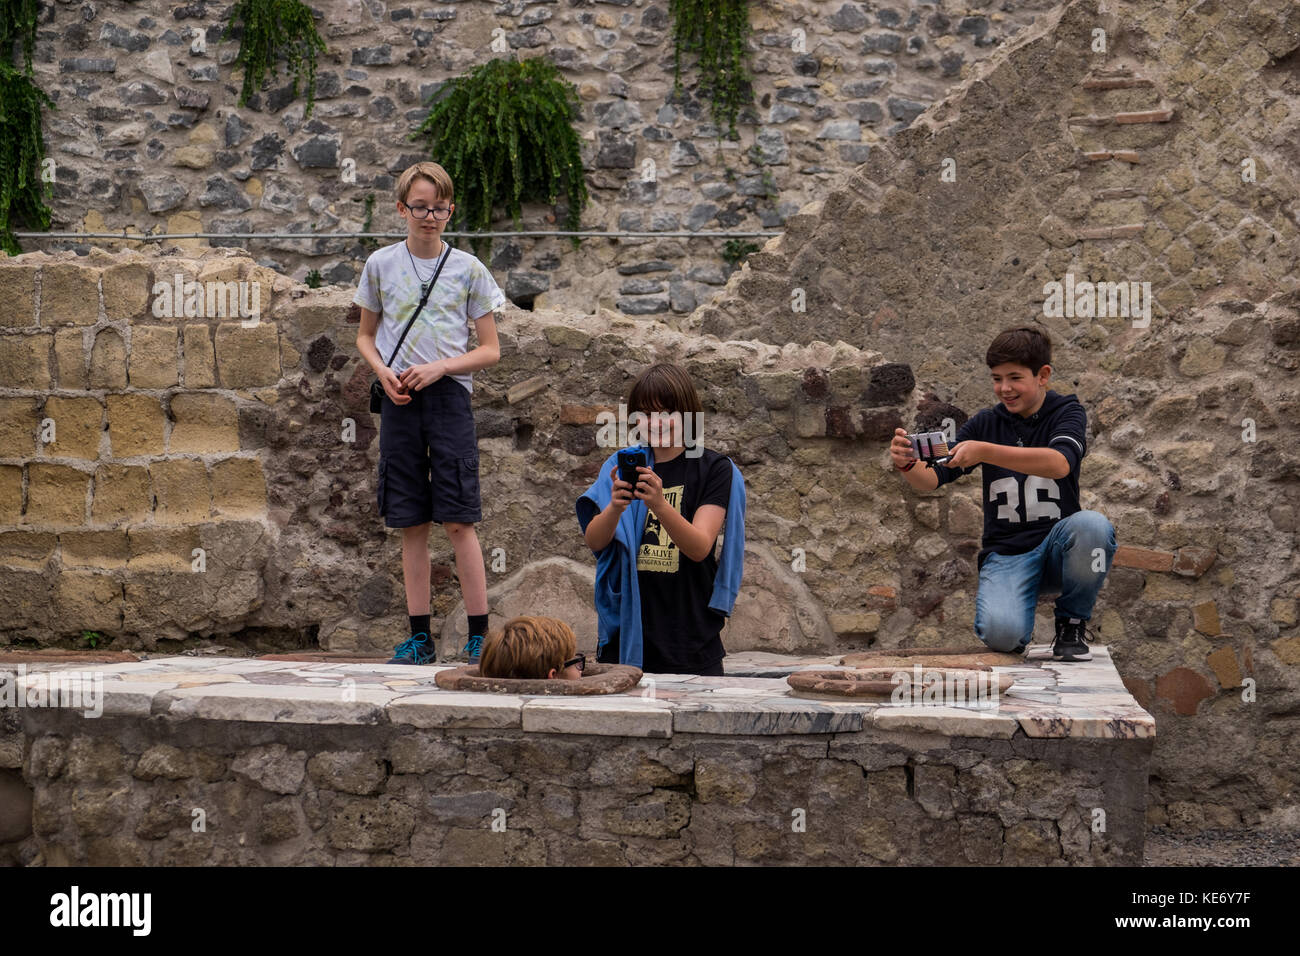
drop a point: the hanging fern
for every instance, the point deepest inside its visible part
(718, 31)
(22, 193)
(504, 133)
(18, 22)
(273, 29)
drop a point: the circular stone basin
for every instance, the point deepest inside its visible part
(880, 683)
(596, 679)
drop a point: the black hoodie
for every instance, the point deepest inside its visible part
(1060, 423)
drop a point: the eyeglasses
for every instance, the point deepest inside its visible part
(422, 212)
(580, 660)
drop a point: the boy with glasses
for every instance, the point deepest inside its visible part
(428, 450)
(538, 648)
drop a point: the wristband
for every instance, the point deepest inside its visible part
(910, 465)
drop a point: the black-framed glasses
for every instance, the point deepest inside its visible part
(580, 660)
(422, 212)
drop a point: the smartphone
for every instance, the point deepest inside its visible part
(628, 462)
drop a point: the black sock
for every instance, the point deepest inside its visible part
(478, 624)
(419, 623)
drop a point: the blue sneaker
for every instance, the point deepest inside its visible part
(473, 646)
(417, 649)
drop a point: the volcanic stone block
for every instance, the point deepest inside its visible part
(69, 294)
(56, 494)
(78, 427)
(204, 423)
(153, 361)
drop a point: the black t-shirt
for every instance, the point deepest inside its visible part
(680, 634)
(1019, 509)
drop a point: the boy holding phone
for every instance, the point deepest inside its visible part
(1036, 536)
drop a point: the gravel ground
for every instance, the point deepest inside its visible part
(1164, 847)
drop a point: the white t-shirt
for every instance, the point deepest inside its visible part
(389, 286)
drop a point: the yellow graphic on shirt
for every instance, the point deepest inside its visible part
(662, 555)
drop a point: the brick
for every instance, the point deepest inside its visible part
(93, 549)
(19, 420)
(203, 423)
(162, 549)
(18, 293)
(1224, 664)
(1184, 688)
(1145, 116)
(526, 389)
(583, 414)
(181, 488)
(238, 487)
(25, 360)
(135, 425)
(199, 361)
(89, 601)
(152, 360)
(69, 294)
(108, 360)
(1192, 562)
(26, 549)
(882, 596)
(11, 494)
(126, 290)
(78, 427)
(56, 495)
(247, 357)
(1205, 618)
(1127, 556)
(121, 494)
(1112, 232)
(70, 358)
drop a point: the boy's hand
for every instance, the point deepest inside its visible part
(393, 386)
(900, 449)
(421, 376)
(967, 454)
(650, 489)
(622, 496)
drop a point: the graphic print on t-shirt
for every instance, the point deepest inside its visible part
(658, 552)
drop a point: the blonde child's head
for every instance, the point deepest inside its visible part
(532, 647)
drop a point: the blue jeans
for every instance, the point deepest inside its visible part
(1064, 560)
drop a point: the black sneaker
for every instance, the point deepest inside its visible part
(417, 649)
(1070, 644)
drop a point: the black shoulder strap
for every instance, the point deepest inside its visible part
(420, 308)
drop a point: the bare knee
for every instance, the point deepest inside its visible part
(457, 529)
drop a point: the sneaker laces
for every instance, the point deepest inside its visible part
(410, 646)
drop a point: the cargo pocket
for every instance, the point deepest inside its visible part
(467, 473)
(381, 486)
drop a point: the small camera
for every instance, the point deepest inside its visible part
(628, 462)
(929, 447)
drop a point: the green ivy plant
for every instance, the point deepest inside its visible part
(22, 144)
(18, 23)
(505, 134)
(273, 29)
(736, 251)
(314, 279)
(718, 32)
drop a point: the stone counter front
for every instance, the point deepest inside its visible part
(223, 761)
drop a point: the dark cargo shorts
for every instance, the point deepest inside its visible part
(428, 458)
